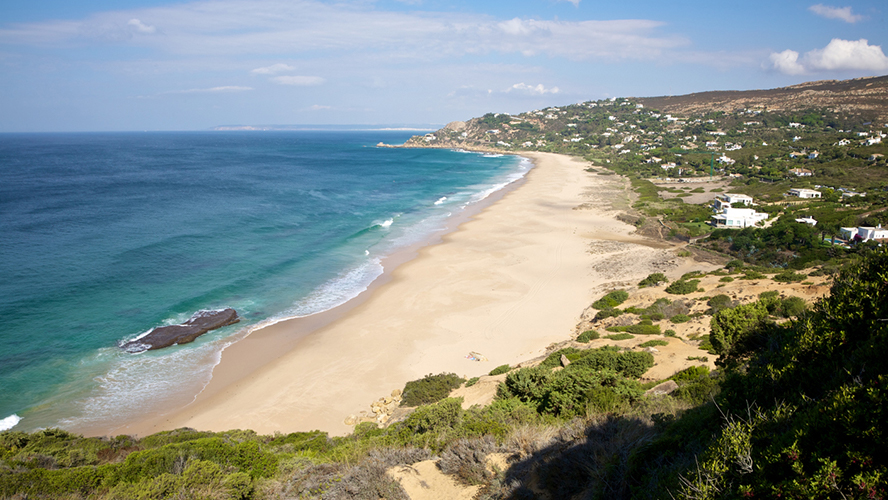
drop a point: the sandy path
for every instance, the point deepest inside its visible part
(506, 284)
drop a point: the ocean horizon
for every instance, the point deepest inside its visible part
(107, 235)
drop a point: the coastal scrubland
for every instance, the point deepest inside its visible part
(793, 410)
(755, 371)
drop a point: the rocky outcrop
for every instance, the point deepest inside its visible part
(380, 411)
(199, 323)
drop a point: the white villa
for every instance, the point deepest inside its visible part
(738, 217)
(864, 233)
(729, 200)
(804, 193)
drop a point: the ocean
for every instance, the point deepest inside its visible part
(106, 235)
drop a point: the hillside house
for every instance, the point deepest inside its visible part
(865, 233)
(801, 172)
(804, 193)
(731, 200)
(807, 220)
(738, 218)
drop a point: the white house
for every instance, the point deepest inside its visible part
(726, 160)
(801, 172)
(729, 200)
(864, 233)
(738, 217)
(804, 193)
(807, 220)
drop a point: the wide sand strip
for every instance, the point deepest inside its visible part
(505, 284)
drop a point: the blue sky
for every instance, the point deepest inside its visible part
(157, 65)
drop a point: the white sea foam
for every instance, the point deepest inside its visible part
(9, 422)
(387, 223)
(441, 200)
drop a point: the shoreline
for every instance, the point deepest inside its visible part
(508, 280)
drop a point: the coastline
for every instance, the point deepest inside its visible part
(508, 282)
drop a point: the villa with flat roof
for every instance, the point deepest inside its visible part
(804, 193)
(731, 200)
(738, 217)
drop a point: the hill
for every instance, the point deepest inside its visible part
(865, 97)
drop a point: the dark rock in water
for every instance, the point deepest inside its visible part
(200, 323)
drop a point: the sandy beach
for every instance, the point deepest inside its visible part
(505, 284)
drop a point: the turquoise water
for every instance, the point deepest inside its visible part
(108, 235)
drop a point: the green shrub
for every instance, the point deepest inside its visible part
(718, 303)
(472, 381)
(790, 307)
(620, 336)
(653, 280)
(654, 343)
(644, 329)
(430, 389)
(789, 276)
(680, 318)
(670, 333)
(609, 312)
(499, 370)
(726, 279)
(554, 359)
(689, 374)
(587, 336)
(682, 287)
(612, 299)
(752, 275)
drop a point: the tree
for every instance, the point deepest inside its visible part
(733, 328)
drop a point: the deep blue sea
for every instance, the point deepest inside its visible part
(106, 235)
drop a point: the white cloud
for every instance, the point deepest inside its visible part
(838, 55)
(299, 81)
(273, 69)
(227, 28)
(141, 27)
(318, 107)
(787, 62)
(227, 88)
(848, 54)
(528, 89)
(843, 13)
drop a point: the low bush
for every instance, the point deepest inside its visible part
(472, 381)
(726, 279)
(683, 287)
(499, 370)
(670, 333)
(644, 329)
(718, 303)
(654, 343)
(653, 280)
(587, 336)
(609, 312)
(430, 389)
(789, 276)
(612, 299)
(620, 336)
(680, 318)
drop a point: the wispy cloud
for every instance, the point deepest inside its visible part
(238, 27)
(273, 69)
(843, 13)
(838, 55)
(211, 90)
(141, 27)
(299, 81)
(532, 90)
